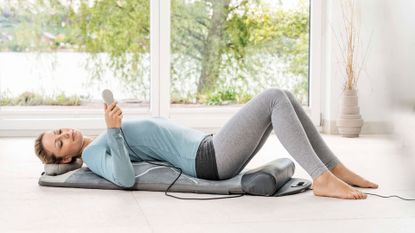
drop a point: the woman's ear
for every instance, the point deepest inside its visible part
(66, 159)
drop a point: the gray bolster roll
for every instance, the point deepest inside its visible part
(267, 179)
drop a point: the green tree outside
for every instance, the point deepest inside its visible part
(213, 34)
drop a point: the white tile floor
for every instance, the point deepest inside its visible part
(27, 207)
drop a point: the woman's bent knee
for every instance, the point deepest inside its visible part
(288, 93)
(274, 91)
(277, 93)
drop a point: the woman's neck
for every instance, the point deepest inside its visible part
(86, 141)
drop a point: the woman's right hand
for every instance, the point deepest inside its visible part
(113, 115)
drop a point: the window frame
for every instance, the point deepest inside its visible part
(27, 121)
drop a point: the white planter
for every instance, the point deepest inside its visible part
(350, 122)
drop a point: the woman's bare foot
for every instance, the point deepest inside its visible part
(328, 185)
(351, 178)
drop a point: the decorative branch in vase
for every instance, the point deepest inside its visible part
(349, 122)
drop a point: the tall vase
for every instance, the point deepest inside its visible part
(350, 121)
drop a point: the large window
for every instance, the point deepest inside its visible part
(64, 53)
(160, 57)
(227, 51)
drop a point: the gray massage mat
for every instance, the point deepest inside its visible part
(271, 179)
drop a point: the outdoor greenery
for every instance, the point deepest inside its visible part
(223, 38)
(29, 99)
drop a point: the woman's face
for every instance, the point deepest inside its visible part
(64, 143)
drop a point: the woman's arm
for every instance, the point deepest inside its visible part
(122, 168)
(114, 165)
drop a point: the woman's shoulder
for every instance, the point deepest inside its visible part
(143, 121)
(98, 143)
(93, 150)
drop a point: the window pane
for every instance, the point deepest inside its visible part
(227, 51)
(67, 52)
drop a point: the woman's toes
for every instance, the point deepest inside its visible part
(349, 195)
(361, 194)
(366, 184)
(373, 185)
(355, 194)
(364, 195)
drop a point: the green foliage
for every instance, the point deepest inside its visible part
(43, 25)
(251, 29)
(120, 28)
(221, 97)
(30, 99)
(189, 25)
(282, 32)
(180, 100)
(227, 96)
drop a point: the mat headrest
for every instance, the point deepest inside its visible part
(58, 169)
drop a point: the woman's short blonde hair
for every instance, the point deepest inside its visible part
(41, 152)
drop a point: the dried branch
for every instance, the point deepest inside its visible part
(350, 45)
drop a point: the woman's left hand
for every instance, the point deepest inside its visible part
(113, 115)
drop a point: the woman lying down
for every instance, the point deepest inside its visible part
(202, 155)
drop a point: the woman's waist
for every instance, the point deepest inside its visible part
(206, 145)
(206, 167)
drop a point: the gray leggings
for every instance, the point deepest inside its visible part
(244, 134)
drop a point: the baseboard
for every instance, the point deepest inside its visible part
(369, 127)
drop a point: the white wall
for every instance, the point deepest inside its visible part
(401, 53)
(400, 70)
(374, 84)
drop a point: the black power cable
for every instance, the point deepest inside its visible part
(180, 173)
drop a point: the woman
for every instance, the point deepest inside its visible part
(202, 155)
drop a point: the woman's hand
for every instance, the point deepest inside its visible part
(113, 115)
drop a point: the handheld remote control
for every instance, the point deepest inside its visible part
(107, 96)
